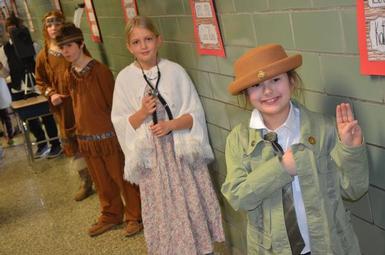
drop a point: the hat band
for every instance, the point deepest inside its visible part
(69, 39)
(53, 20)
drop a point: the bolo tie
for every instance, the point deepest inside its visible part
(294, 234)
(155, 93)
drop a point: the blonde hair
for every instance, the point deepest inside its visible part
(141, 22)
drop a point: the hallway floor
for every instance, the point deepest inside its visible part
(39, 216)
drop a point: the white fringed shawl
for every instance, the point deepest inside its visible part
(180, 94)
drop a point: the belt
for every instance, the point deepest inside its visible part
(96, 137)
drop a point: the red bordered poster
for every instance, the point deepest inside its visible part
(92, 21)
(130, 9)
(207, 34)
(14, 7)
(371, 33)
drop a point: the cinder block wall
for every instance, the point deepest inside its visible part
(323, 31)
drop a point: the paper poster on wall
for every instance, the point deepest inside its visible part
(207, 34)
(130, 9)
(371, 33)
(92, 21)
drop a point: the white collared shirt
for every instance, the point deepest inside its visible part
(288, 134)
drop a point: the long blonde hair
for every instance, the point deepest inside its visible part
(141, 22)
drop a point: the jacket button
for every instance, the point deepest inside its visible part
(311, 140)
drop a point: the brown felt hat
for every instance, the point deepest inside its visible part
(260, 64)
(69, 33)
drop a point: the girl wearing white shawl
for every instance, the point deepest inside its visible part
(167, 157)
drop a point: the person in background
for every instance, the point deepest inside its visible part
(12, 66)
(50, 69)
(91, 85)
(5, 103)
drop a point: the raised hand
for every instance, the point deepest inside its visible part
(348, 129)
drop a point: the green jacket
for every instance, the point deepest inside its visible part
(328, 171)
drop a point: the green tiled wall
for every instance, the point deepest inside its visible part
(323, 31)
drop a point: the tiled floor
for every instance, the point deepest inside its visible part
(39, 216)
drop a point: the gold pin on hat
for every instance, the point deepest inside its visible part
(311, 140)
(261, 75)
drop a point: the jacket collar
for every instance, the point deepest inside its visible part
(310, 133)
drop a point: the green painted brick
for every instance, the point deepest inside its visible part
(167, 51)
(111, 26)
(185, 29)
(274, 28)
(349, 23)
(237, 115)
(217, 137)
(108, 8)
(292, 4)
(216, 113)
(185, 54)
(240, 33)
(378, 204)
(186, 6)
(220, 163)
(310, 71)
(318, 102)
(201, 81)
(206, 62)
(174, 7)
(151, 7)
(219, 84)
(118, 62)
(250, 5)
(341, 76)
(115, 45)
(376, 158)
(225, 65)
(224, 6)
(169, 28)
(331, 3)
(361, 208)
(320, 31)
(370, 117)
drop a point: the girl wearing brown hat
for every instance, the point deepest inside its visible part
(50, 67)
(161, 127)
(289, 168)
(91, 84)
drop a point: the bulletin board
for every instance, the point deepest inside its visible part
(92, 21)
(371, 33)
(130, 9)
(206, 29)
